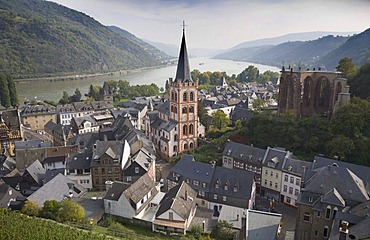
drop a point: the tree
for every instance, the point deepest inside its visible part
(222, 230)
(346, 66)
(258, 104)
(4, 92)
(360, 85)
(14, 100)
(340, 146)
(196, 231)
(65, 99)
(204, 118)
(71, 212)
(248, 75)
(76, 97)
(219, 119)
(31, 208)
(51, 210)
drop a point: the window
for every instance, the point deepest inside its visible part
(226, 186)
(270, 183)
(276, 175)
(316, 233)
(217, 185)
(335, 212)
(224, 198)
(201, 193)
(103, 170)
(266, 172)
(129, 178)
(136, 169)
(297, 182)
(195, 183)
(184, 110)
(288, 199)
(306, 217)
(191, 109)
(326, 232)
(265, 182)
(170, 215)
(285, 188)
(276, 185)
(185, 130)
(172, 96)
(328, 212)
(271, 174)
(191, 96)
(318, 214)
(187, 180)
(290, 190)
(214, 196)
(291, 179)
(185, 97)
(310, 199)
(204, 184)
(191, 129)
(296, 192)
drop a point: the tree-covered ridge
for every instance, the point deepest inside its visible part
(40, 38)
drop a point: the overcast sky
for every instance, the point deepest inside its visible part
(223, 24)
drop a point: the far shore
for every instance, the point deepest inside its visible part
(84, 75)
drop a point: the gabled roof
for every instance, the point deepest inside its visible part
(164, 108)
(244, 152)
(342, 179)
(181, 199)
(80, 160)
(57, 189)
(183, 67)
(262, 225)
(295, 166)
(34, 143)
(275, 156)
(116, 191)
(333, 197)
(140, 188)
(113, 149)
(36, 171)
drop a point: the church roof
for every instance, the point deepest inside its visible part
(183, 67)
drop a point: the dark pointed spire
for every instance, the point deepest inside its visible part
(183, 68)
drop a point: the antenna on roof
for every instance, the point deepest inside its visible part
(183, 26)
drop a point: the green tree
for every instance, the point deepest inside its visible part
(219, 119)
(248, 75)
(76, 97)
(346, 66)
(195, 74)
(222, 230)
(4, 92)
(51, 210)
(65, 99)
(204, 118)
(340, 146)
(14, 100)
(258, 104)
(196, 231)
(71, 212)
(31, 208)
(360, 85)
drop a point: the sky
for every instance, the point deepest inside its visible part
(222, 24)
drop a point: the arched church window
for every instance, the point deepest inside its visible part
(191, 109)
(185, 130)
(191, 96)
(185, 97)
(191, 129)
(184, 110)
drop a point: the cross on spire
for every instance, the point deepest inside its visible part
(183, 26)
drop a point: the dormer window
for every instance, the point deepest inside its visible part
(217, 185)
(226, 186)
(310, 199)
(235, 188)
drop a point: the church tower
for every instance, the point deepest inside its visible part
(183, 103)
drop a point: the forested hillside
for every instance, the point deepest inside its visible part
(44, 38)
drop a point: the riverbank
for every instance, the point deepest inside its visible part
(88, 75)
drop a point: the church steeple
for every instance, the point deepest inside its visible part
(183, 68)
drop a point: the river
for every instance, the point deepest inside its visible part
(53, 90)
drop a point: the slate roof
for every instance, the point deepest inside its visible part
(171, 124)
(80, 160)
(84, 140)
(7, 193)
(144, 158)
(120, 128)
(11, 118)
(241, 180)
(296, 166)
(140, 188)
(350, 187)
(50, 174)
(54, 159)
(38, 110)
(36, 171)
(164, 108)
(80, 120)
(362, 172)
(113, 148)
(175, 200)
(275, 156)
(333, 197)
(65, 108)
(240, 114)
(158, 124)
(183, 67)
(187, 167)
(244, 152)
(230, 102)
(35, 143)
(57, 189)
(116, 191)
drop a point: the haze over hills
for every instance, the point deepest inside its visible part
(42, 38)
(323, 52)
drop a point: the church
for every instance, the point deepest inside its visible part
(175, 128)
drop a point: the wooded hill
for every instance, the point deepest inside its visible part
(323, 52)
(40, 38)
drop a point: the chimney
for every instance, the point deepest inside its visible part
(343, 230)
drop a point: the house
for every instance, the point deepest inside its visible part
(84, 124)
(57, 133)
(244, 157)
(51, 163)
(65, 113)
(176, 210)
(32, 178)
(78, 168)
(59, 188)
(10, 130)
(232, 187)
(327, 191)
(108, 161)
(7, 195)
(294, 171)
(7, 165)
(198, 175)
(272, 172)
(35, 117)
(129, 200)
(142, 162)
